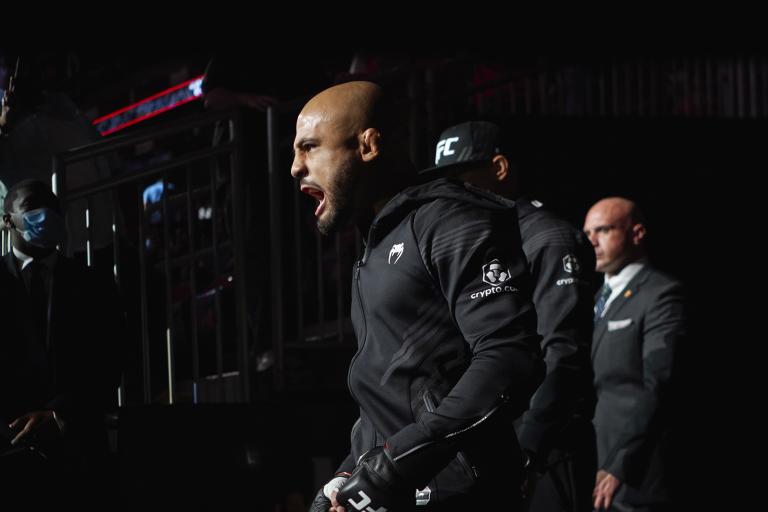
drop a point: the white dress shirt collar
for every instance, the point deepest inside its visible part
(24, 259)
(620, 281)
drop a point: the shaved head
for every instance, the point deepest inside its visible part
(619, 208)
(349, 107)
(616, 228)
(340, 157)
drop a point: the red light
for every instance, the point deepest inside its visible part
(130, 120)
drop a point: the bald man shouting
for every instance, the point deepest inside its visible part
(639, 322)
(446, 356)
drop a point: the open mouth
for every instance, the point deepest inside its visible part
(318, 195)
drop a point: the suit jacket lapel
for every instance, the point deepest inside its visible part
(628, 294)
(21, 296)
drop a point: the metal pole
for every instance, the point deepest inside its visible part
(89, 231)
(116, 272)
(239, 248)
(144, 306)
(216, 295)
(58, 185)
(193, 289)
(168, 289)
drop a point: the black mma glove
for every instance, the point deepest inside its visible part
(322, 501)
(376, 485)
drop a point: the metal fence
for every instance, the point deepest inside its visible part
(176, 253)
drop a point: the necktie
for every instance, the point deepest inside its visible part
(601, 301)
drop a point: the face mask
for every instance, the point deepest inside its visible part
(43, 228)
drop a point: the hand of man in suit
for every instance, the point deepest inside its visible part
(530, 475)
(36, 424)
(606, 486)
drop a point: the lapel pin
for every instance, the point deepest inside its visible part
(627, 294)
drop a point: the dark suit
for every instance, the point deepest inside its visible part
(72, 370)
(633, 352)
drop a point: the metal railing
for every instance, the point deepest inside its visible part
(163, 250)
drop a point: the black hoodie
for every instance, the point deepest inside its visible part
(446, 334)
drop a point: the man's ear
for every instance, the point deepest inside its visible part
(370, 144)
(638, 233)
(7, 222)
(500, 168)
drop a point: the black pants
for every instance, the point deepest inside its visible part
(497, 499)
(567, 483)
(497, 490)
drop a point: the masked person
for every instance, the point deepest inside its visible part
(58, 370)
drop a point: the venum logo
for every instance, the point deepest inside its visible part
(495, 273)
(396, 251)
(571, 264)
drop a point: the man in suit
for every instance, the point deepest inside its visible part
(556, 432)
(639, 324)
(58, 364)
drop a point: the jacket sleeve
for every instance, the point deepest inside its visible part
(346, 466)
(349, 462)
(563, 274)
(481, 272)
(662, 331)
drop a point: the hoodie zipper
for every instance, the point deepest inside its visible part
(360, 263)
